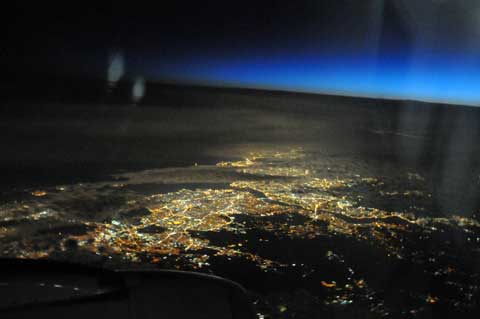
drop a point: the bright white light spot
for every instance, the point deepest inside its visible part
(138, 90)
(116, 68)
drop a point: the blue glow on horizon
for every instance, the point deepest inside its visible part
(428, 77)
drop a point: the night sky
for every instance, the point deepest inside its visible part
(425, 50)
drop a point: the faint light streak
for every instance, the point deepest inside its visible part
(138, 90)
(116, 69)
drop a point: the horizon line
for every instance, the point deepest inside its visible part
(339, 93)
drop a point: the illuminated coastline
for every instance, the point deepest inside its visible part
(266, 192)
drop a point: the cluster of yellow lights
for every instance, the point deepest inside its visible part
(284, 184)
(179, 215)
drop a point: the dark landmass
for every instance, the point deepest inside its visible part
(322, 206)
